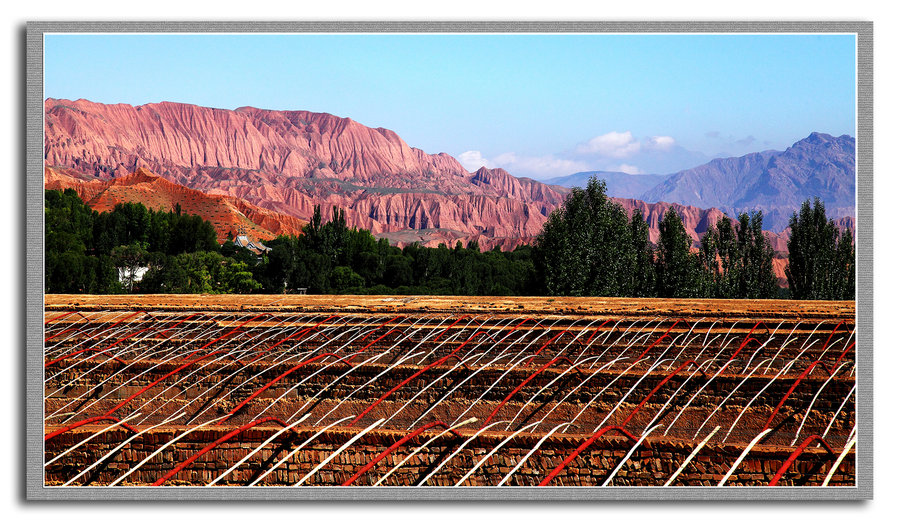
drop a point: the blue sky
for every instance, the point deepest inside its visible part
(537, 105)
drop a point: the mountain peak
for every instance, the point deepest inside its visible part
(146, 173)
(819, 137)
(824, 145)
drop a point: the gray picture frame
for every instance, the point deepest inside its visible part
(34, 303)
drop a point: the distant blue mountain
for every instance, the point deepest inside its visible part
(773, 182)
(618, 184)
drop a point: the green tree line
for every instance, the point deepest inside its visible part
(330, 257)
(588, 247)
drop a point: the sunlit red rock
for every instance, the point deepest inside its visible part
(228, 215)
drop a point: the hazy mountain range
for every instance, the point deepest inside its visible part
(773, 182)
(618, 184)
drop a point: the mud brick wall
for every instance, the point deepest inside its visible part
(219, 377)
(651, 464)
(245, 381)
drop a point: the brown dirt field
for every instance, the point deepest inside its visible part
(789, 309)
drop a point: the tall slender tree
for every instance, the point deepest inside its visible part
(643, 276)
(758, 279)
(677, 270)
(821, 262)
(845, 267)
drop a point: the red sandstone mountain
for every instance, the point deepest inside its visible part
(228, 215)
(289, 161)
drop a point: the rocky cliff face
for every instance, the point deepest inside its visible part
(227, 214)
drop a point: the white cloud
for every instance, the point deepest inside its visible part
(472, 160)
(613, 151)
(660, 142)
(506, 159)
(629, 169)
(611, 144)
(539, 167)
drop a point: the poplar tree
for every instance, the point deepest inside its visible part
(821, 263)
(677, 270)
